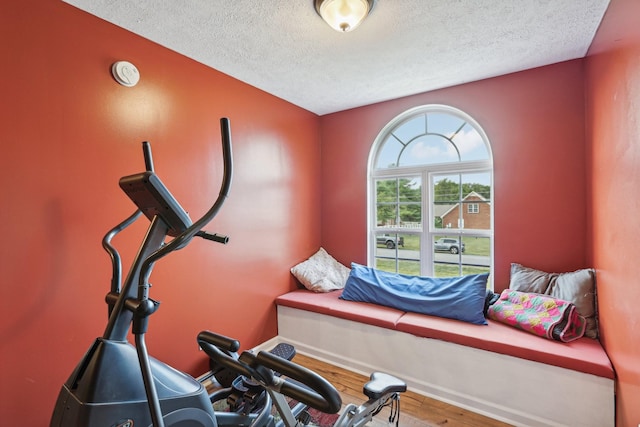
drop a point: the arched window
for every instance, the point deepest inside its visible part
(430, 195)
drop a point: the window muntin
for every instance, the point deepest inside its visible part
(397, 252)
(454, 195)
(446, 149)
(429, 137)
(399, 202)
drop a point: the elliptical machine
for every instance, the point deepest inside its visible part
(117, 384)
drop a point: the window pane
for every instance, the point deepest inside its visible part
(479, 183)
(446, 201)
(470, 144)
(399, 202)
(479, 248)
(447, 256)
(454, 255)
(429, 149)
(388, 155)
(410, 129)
(386, 190)
(443, 124)
(398, 253)
(476, 257)
(476, 200)
(446, 189)
(462, 201)
(410, 198)
(386, 202)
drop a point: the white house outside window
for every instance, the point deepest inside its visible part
(430, 195)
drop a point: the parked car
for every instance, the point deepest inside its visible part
(447, 244)
(390, 241)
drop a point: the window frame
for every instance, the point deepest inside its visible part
(427, 173)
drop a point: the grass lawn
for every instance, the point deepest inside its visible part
(441, 270)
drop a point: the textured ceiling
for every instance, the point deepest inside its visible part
(404, 47)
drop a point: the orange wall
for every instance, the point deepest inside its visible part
(535, 122)
(69, 132)
(613, 138)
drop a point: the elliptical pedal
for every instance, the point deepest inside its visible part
(247, 393)
(284, 350)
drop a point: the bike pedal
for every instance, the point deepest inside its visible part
(284, 350)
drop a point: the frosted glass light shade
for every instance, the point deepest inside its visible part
(343, 15)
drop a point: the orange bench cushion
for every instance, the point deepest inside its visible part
(583, 355)
(329, 303)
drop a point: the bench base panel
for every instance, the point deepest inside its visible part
(506, 388)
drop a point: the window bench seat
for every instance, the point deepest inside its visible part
(495, 370)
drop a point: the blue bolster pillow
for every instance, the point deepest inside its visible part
(460, 298)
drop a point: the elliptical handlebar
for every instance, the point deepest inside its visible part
(315, 391)
(195, 228)
(116, 260)
(308, 387)
(215, 237)
(219, 349)
(218, 341)
(148, 157)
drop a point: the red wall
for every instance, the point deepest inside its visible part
(69, 132)
(613, 138)
(535, 122)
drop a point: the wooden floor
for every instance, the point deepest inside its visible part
(416, 410)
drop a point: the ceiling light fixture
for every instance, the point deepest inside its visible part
(343, 15)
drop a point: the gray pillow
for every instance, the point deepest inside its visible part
(578, 287)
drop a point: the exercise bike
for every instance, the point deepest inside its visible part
(279, 377)
(117, 384)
